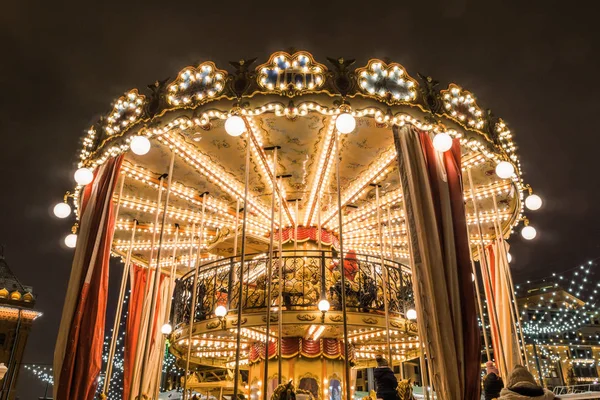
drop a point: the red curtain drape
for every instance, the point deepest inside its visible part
(134, 316)
(78, 351)
(444, 294)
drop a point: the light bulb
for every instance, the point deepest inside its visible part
(323, 305)
(220, 311)
(528, 232)
(166, 329)
(140, 145)
(345, 123)
(62, 210)
(71, 240)
(442, 142)
(472, 277)
(505, 170)
(411, 314)
(533, 202)
(235, 125)
(509, 257)
(83, 176)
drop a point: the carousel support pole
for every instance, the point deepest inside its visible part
(280, 294)
(341, 264)
(156, 276)
(384, 274)
(193, 305)
(319, 225)
(148, 281)
(485, 269)
(512, 287)
(236, 376)
(270, 272)
(296, 230)
(390, 232)
(480, 307)
(424, 378)
(116, 324)
(281, 282)
(167, 309)
(235, 230)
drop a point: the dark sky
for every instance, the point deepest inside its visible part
(534, 63)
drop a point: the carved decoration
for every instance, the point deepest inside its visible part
(306, 317)
(370, 320)
(235, 322)
(213, 324)
(336, 318)
(390, 82)
(157, 98)
(342, 77)
(273, 318)
(195, 84)
(242, 77)
(291, 75)
(431, 95)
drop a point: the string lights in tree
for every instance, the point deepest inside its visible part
(557, 312)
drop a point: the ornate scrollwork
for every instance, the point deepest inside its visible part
(213, 324)
(390, 82)
(343, 77)
(195, 84)
(336, 318)
(291, 75)
(430, 94)
(273, 318)
(235, 321)
(242, 78)
(157, 98)
(461, 105)
(126, 111)
(306, 317)
(369, 320)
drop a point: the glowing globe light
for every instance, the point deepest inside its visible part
(62, 210)
(505, 170)
(442, 142)
(528, 232)
(220, 311)
(509, 257)
(71, 240)
(323, 305)
(235, 125)
(83, 176)
(345, 123)
(472, 277)
(140, 145)
(533, 202)
(166, 329)
(411, 314)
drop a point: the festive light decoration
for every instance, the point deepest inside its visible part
(442, 142)
(83, 176)
(235, 125)
(62, 210)
(166, 329)
(528, 232)
(324, 305)
(411, 314)
(345, 123)
(71, 240)
(42, 372)
(140, 145)
(533, 202)
(220, 311)
(505, 170)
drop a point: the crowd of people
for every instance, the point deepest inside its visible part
(520, 384)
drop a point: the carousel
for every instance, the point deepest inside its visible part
(271, 198)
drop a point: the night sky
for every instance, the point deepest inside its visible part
(534, 63)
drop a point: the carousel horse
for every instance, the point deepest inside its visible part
(405, 391)
(285, 391)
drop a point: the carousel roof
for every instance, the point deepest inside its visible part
(291, 102)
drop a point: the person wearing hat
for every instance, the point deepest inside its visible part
(387, 384)
(522, 386)
(492, 383)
